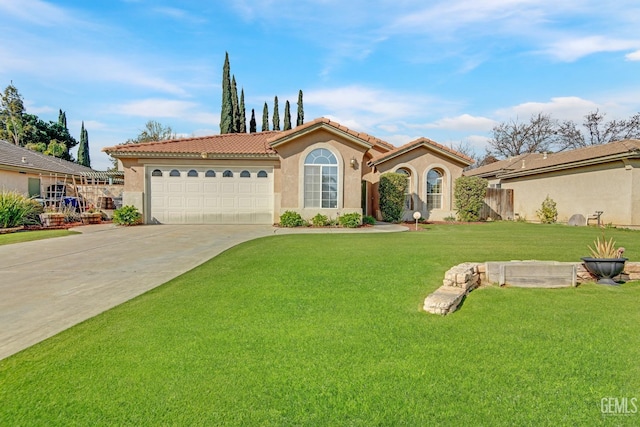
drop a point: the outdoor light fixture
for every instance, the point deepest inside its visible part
(417, 215)
(354, 163)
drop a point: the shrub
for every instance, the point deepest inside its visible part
(548, 214)
(33, 215)
(71, 214)
(319, 220)
(350, 220)
(469, 196)
(127, 215)
(291, 219)
(368, 220)
(15, 209)
(450, 218)
(392, 190)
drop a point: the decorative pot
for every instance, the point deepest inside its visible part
(52, 219)
(605, 269)
(91, 218)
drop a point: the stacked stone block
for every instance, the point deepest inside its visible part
(458, 282)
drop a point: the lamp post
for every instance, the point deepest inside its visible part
(417, 215)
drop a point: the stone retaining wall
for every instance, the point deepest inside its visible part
(460, 280)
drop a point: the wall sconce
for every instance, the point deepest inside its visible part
(354, 163)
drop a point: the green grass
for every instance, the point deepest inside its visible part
(28, 236)
(328, 330)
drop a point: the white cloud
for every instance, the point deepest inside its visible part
(464, 122)
(572, 48)
(154, 108)
(562, 108)
(633, 56)
(36, 12)
(179, 15)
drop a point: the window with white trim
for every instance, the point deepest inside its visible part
(408, 195)
(434, 189)
(321, 179)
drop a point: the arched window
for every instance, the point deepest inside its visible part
(245, 174)
(174, 172)
(434, 189)
(227, 174)
(321, 179)
(408, 194)
(193, 173)
(156, 172)
(263, 174)
(210, 174)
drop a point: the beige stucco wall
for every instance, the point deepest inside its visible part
(19, 181)
(613, 188)
(420, 161)
(15, 181)
(290, 176)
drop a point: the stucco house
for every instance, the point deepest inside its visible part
(319, 167)
(33, 173)
(602, 178)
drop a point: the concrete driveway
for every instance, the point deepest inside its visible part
(47, 286)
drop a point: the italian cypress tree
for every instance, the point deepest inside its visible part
(287, 116)
(226, 113)
(265, 118)
(83, 148)
(242, 126)
(62, 118)
(300, 110)
(276, 115)
(235, 108)
(252, 123)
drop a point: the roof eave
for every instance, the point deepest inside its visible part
(570, 165)
(203, 155)
(421, 144)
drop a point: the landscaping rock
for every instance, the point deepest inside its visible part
(445, 300)
(577, 220)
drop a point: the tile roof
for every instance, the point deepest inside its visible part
(531, 163)
(13, 156)
(324, 121)
(419, 143)
(227, 144)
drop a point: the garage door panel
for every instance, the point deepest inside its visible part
(228, 188)
(211, 200)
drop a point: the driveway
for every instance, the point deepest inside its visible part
(50, 285)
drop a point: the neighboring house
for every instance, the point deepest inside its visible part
(596, 178)
(319, 167)
(35, 174)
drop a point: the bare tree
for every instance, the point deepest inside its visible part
(514, 138)
(598, 131)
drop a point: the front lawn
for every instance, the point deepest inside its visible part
(328, 330)
(28, 236)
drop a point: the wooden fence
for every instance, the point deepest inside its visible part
(498, 204)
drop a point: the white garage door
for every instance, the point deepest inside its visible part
(216, 195)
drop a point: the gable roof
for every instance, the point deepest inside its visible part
(534, 163)
(360, 138)
(226, 145)
(422, 142)
(19, 158)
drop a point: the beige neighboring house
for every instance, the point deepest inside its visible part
(319, 167)
(596, 178)
(35, 174)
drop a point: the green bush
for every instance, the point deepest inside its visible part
(392, 189)
(469, 196)
(127, 215)
(291, 219)
(368, 220)
(548, 213)
(351, 220)
(16, 209)
(319, 220)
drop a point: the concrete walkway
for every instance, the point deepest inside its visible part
(49, 285)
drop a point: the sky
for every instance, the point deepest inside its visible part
(447, 70)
